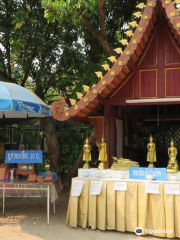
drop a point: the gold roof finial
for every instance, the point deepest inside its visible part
(99, 74)
(86, 88)
(72, 101)
(79, 95)
(133, 24)
(141, 6)
(129, 33)
(124, 42)
(137, 14)
(118, 50)
(112, 59)
(106, 67)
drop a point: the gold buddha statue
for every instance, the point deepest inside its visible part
(102, 154)
(151, 155)
(123, 164)
(86, 154)
(172, 164)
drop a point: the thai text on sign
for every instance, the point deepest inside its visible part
(25, 156)
(142, 172)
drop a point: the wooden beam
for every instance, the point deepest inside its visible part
(101, 99)
(107, 129)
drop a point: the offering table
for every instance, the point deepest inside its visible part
(22, 188)
(126, 210)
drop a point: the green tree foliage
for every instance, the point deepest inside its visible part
(60, 52)
(47, 57)
(71, 137)
(103, 19)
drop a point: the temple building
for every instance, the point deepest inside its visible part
(140, 94)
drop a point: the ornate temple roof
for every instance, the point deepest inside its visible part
(124, 66)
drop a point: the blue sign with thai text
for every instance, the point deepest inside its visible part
(25, 156)
(141, 172)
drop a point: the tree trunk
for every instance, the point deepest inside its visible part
(52, 142)
(79, 162)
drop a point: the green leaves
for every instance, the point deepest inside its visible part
(71, 10)
(19, 24)
(71, 138)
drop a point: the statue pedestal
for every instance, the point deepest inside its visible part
(173, 176)
(101, 166)
(107, 173)
(151, 165)
(170, 170)
(86, 165)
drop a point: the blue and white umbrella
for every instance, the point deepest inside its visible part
(19, 102)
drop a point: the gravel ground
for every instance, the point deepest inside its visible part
(25, 219)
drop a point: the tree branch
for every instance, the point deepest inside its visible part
(4, 73)
(102, 40)
(8, 54)
(28, 68)
(102, 18)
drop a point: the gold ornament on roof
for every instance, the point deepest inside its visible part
(177, 2)
(99, 74)
(112, 73)
(86, 154)
(137, 14)
(129, 33)
(134, 41)
(133, 24)
(76, 107)
(112, 59)
(150, 4)
(86, 99)
(178, 25)
(103, 82)
(86, 88)
(106, 67)
(151, 155)
(167, 2)
(94, 91)
(79, 95)
(172, 164)
(124, 42)
(72, 101)
(67, 114)
(118, 50)
(141, 6)
(145, 17)
(140, 29)
(127, 52)
(120, 63)
(172, 14)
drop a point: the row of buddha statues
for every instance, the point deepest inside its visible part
(102, 154)
(124, 164)
(172, 153)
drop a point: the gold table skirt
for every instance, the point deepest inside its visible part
(125, 210)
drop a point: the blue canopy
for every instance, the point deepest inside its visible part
(19, 102)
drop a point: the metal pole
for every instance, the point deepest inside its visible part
(54, 202)
(3, 198)
(48, 196)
